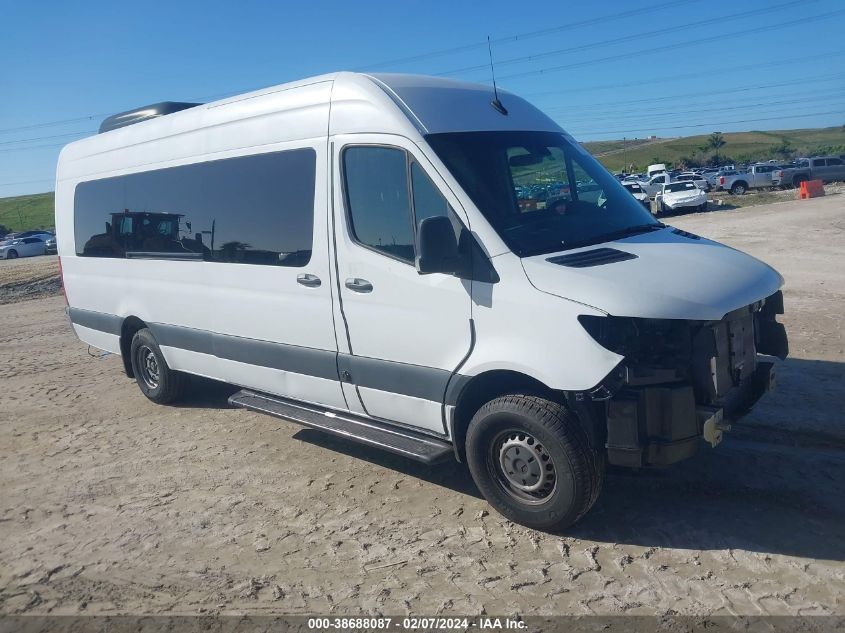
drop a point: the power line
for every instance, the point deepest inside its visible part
(35, 126)
(627, 38)
(524, 36)
(420, 57)
(25, 182)
(686, 75)
(655, 115)
(667, 47)
(44, 138)
(31, 147)
(628, 102)
(715, 124)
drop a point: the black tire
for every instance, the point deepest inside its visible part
(157, 381)
(796, 182)
(661, 208)
(12, 254)
(529, 433)
(703, 207)
(738, 188)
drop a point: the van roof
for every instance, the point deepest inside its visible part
(359, 103)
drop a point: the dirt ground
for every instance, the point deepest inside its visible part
(111, 504)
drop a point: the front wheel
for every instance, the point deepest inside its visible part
(157, 381)
(532, 461)
(12, 254)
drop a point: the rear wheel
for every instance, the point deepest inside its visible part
(532, 461)
(796, 182)
(157, 381)
(739, 188)
(702, 206)
(13, 254)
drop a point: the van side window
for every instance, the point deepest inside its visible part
(378, 199)
(255, 209)
(428, 201)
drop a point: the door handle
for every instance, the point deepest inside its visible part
(359, 285)
(307, 279)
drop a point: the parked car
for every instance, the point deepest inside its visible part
(657, 168)
(824, 168)
(699, 180)
(638, 192)
(638, 178)
(755, 177)
(44, 235)
(22, 247)
(681, 195)
(544, 343)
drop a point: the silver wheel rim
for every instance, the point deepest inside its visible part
(148, 366)
(522, 467)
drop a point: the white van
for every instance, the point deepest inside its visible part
(406, 262)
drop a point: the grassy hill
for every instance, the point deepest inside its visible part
(24, 213)
(739, 147)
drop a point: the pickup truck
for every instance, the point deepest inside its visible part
(755, 177)
(825, 168)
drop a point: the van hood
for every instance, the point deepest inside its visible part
(665, 274)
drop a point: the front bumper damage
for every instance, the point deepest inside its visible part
(661, 425)
(687, 382)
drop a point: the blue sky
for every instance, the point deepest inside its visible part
(604, 69)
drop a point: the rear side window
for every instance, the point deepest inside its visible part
(834, 161)
(818, 162)
(247, 210)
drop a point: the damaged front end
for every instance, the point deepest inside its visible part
(681, 381)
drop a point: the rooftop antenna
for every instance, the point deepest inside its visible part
(497, 105)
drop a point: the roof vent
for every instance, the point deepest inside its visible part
(690, 236)
(596, 257)
(137, 115)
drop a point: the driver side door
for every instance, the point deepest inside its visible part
(406, 332)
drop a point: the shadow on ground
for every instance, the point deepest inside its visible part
(773, 486)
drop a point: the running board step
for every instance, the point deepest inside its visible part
(417, 446)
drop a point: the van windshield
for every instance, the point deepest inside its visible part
(541, 192)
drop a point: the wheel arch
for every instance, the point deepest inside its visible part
(486, 386)
(128, 329)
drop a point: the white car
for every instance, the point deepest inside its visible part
(638, 192)
(24, 247)
(699, 180)
(681, 195)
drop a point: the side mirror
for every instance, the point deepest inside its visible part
(438, 247)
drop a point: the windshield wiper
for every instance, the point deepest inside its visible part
(598, 239)
(631, 230)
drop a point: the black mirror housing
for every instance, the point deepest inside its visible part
(437, 247)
